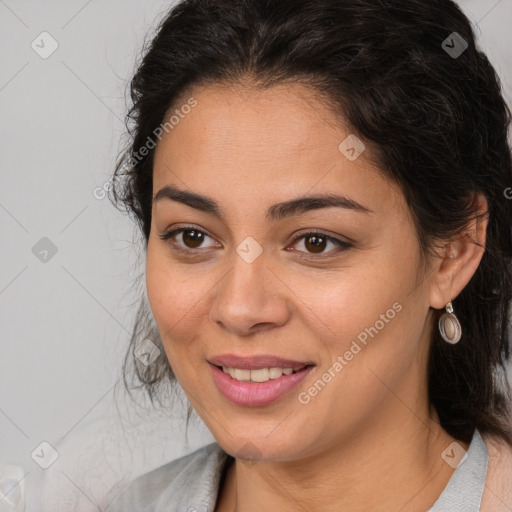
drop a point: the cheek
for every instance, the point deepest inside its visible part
(354, 300)
(372, 315)
(176, 298)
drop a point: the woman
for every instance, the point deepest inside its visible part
(321, 186)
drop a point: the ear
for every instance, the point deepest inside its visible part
(459, 259)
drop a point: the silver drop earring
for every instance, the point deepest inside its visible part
(449, 325)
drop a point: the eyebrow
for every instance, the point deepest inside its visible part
(276, 212)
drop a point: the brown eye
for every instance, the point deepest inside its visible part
(192, 238)
(315, 243)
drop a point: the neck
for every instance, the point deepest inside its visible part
(402, 471)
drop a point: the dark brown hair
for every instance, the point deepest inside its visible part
(436, 120)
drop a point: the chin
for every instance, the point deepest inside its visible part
(259, 448)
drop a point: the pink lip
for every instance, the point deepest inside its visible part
(256, 394)
(255, 362)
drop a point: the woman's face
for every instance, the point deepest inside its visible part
(251, 288)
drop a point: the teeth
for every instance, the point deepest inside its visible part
(275, 373)
(260, 375)
(241, 374)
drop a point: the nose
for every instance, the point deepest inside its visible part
(250, 298)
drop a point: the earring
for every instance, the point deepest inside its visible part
(449, 325)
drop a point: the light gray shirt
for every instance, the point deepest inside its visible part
(191, 483)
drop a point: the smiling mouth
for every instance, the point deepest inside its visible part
(260, 381)
(260, 374)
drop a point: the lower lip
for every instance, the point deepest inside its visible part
(256, 394)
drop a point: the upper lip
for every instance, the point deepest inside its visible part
(256, 362)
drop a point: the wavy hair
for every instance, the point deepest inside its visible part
(437, 122)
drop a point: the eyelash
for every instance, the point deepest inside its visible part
(341, 246)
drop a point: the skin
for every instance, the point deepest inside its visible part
(370, 439)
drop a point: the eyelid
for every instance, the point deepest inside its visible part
(341, 244)
(176, 230)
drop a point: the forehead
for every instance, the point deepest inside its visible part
(285, 117)
(280, 141)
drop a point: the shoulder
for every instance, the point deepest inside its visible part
(497, 496)
(182, 484)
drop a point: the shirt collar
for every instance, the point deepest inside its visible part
(463, 493)
(464, 490)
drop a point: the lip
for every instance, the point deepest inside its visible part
(256, 394)
(256, 362)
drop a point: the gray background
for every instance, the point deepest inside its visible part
(65, 321)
